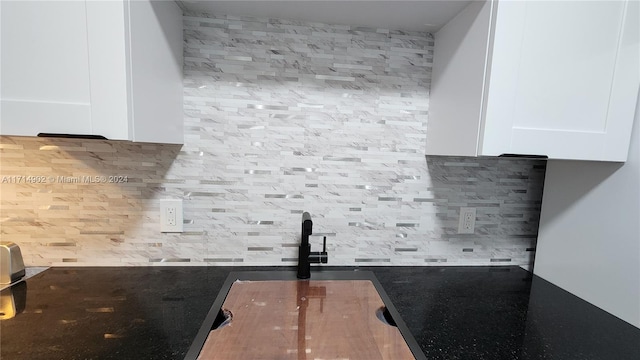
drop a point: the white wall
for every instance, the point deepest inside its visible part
(589, 237)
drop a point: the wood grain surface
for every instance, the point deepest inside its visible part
(302, 320)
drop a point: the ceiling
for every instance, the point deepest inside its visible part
(422, 15)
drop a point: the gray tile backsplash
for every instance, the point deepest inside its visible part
(281, 117)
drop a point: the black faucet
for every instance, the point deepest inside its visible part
(305, 256)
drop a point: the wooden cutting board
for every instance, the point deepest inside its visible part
(302, 320)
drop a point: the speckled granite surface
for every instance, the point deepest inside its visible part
(453, 313)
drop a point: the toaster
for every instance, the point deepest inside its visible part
(11, 263)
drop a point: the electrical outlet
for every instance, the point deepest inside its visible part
(467, 222)
(170, 215)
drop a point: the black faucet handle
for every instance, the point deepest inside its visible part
(323, 255)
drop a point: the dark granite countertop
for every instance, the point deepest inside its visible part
(453, 313)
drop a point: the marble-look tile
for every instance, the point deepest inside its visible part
(281, 117)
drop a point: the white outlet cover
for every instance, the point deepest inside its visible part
(165, 224)
(467, 221)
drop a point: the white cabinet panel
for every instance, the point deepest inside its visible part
(561, 80)
(45, 48)
(156, 60)
(456, 93)
(557, 44)
(109, 69)
(28, 118)
(45, 67)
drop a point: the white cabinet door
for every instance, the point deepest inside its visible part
(109, 68)
(564, 79)
(45, 68)
(554, 78)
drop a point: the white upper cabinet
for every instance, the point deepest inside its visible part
(109, 68)
(553, 78)
(45, 68)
